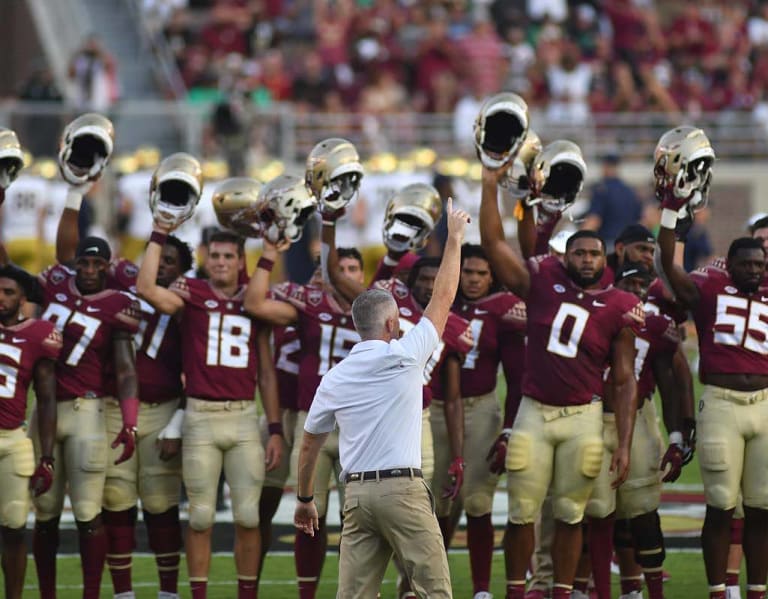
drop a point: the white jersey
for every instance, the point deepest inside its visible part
(134, 190)
(25, 201)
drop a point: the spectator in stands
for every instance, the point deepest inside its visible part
(757, 26)
(436, 64)
(614, 205)
(311, 84)
(94, 73)
(554, 10)
(569, 84)
(521, 57)
(483, 59)
(41, 131)
(464, 116)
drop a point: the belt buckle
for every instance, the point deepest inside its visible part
(395, 472)
(354, 476)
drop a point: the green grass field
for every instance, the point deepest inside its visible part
(278, 579)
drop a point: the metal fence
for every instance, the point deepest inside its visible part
(281, 131)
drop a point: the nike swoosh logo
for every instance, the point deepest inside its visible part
(598, 304)
(92, 309)
(15, 340)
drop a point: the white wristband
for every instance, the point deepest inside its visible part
(676, 438)
(668, 218)
(389, 261)
(73, 200)
(172, 430)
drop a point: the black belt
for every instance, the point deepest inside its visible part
(379, 474)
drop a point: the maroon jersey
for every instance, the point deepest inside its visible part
(87, 323)
(218, 342)
(569, 334)
(657, 337)
(497, 321)
(21, 347)
(158, 342)
(660, 301)
(326, 334)
(457, 336)
(732, 326)
(287, 356)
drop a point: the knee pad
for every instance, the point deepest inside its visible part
(14, 513)
(622, 535)
(567, 510)
(201, 517)
(599, 508)
(86, 510)
(649, 540)
(478, 504)
(246, 513)
(119, 494)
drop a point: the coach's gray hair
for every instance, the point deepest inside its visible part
(370, 311)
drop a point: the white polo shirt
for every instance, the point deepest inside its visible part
(374, 395)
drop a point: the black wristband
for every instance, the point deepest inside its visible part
(275, 428)
(307, 499)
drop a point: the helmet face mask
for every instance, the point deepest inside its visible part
(500, 129)
(683, 162)
(516, 180)
(289, 205)
(334, 172)
(557, 176)
(410, 217)
(86, 146)
(175, 189)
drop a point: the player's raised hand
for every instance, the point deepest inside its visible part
(492, 176)
(457, 220)
(271, 250)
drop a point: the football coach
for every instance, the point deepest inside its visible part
(374, 395)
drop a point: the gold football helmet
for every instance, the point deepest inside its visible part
(683, 162)
(239, 206)
(500, 129)
(11, 157)
(85, 148)
(175, 189)
(557, 176)
(334, 172)
(290, 203)
(515, 181)
(410, 217)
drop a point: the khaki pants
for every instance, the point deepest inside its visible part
(222, 434)
(17, 463)
(80, 455)
(561, 445)
(145, 475)
(732, 431)
(641, 492)
(482, 424)
(386, 516)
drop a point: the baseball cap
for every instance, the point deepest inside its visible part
(633, 269)
(634, 234)
(558, 241)
(94, 246)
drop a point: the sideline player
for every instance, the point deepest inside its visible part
(224, 354)
(153, 474)
(29, 349)
(326, 334)
(573, 328)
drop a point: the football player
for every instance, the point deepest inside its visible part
(326, 333)
(224, 354)
(727, 306)
(497, 319)
(573, 328)
(97, 359)
(153, 474)
(638, 499)
(28, 352)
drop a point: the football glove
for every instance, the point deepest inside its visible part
(456, 472)
(497, 456)
(673, 458)
(42, 478)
